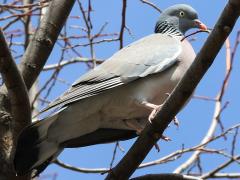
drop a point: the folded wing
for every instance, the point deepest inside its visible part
(152, 54)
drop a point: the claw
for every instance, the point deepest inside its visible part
(168, 94)
(153, 107)
(176, 121)
(152, 115)
(154, 112)
(157, 147)
(165, 138)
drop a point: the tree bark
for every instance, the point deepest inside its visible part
(14, 110)
(14, 102)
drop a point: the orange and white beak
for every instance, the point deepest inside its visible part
(200, 25)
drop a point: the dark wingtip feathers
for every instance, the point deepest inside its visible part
(27, 151)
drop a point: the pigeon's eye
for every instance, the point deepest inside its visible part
(181, 13)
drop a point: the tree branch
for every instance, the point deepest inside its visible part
(166, 177)
(82, 170)
(44, 39)
(226, 175)
(16, 91)
(123, 25)
(152, 132)
(222, 166)
(152, 5)
(20, 106)
(69, 62)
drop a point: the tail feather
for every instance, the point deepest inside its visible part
(34, 150)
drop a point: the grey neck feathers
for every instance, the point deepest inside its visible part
(166, 28)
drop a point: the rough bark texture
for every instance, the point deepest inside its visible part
(164, 177)
(14, 102)
(14, 109)
(152, 133)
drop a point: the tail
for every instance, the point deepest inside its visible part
(34, 150)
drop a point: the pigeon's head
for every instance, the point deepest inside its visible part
(180, 16)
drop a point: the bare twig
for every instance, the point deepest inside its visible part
(234, 142)
(27, 13)
(10, 23)
(222, 166)
(196, 32)
(94, 42)
(12, 6)
(114, 154)
(88, 24)
(84, 170)
(152, 5)
(27, 24)
(123, 25)
(69, 62)
(204, 98)
(226, 175)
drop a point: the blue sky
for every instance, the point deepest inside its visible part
(194, 118)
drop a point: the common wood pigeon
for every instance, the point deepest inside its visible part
(117, 98)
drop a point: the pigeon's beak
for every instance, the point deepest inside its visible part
(200, 25)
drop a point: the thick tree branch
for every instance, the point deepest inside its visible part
(16, 91)
(20, 106)
(44, 39)
(152, 133)
(165, 177)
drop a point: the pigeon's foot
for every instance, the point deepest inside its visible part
(176, 121)
(165, 138)
(153, 107)
(157, 147)
(154, 112)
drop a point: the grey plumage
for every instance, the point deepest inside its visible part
(150, 55)
(116, 97)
